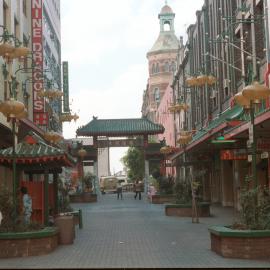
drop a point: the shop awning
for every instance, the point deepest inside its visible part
(218, 124)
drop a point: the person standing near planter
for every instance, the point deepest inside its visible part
(119, 190)
(27, 205)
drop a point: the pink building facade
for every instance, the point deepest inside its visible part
(166, 119)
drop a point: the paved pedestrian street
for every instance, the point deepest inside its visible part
(132, 233)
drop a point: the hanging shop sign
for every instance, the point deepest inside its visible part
(233, 154)
(39, 114)
(65, 86)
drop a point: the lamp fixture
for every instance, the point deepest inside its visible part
(166, 149)
(68, 117)
(178, 107)
(50, 94)
(201, 80)
(241, 100)
(256, 91)
(53, 137)
(12, 108)
(82, 153)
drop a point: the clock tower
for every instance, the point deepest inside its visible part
(162, 60)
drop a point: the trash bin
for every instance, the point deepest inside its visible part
(66, 229)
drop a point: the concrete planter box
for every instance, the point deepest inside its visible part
(86, 197)
(23, 244)
(243, 244)
(185, 210)
(160, 199)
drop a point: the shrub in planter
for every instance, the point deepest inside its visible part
(165, 184)
(249, 237)
(182, 191)
(88, 182)
(9, 223)
(255, 209)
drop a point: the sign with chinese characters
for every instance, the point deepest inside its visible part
(65, 86)
(233, 154)
(119, 143)
(37, 62)
(41, 118)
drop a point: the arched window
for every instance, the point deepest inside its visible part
(156, 95)
(157, 68)
(173, 67)
(166, 67)
(167, 26)
(153, 69)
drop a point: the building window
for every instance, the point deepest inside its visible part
(173, 67)
(5, 90)
(16, 28)
(25, 44)
(24, 8)
(166, 67)
(156, 95)
(167, 26)
(157, 68)
(153, 69)
(226, 91)
(5, 15)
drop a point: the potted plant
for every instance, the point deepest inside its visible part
(188, 201)
(249, 237)
(18, 239)
(85, 193)
(164, 192)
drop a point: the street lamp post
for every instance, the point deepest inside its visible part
(252, 94)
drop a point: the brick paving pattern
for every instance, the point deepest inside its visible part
(131, 233)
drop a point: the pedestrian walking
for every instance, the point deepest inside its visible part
(119, 190)
(27, 205)
(138, 189)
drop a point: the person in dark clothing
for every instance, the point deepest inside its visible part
(138, 190)
(119, 190)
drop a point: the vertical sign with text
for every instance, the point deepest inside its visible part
(40, 117)
(65, 86)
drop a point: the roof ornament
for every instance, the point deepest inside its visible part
(166, 2)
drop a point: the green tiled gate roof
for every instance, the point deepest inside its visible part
(120, 127)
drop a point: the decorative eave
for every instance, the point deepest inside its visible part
(34, 150)
(120, 127)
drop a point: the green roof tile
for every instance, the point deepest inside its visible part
(119, 127)
(37, 150)
(224, 117)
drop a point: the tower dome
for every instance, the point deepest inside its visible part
(166, 10)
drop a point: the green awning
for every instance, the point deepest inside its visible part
(229, 115)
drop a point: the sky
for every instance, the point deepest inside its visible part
(105, 43)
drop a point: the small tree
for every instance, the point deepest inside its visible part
(134, 162)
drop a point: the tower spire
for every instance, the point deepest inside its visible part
(166, 2)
